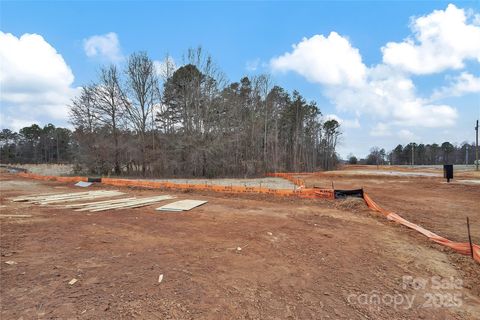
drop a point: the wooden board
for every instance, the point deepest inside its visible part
(18, 199)
(143, 201)
(59, 196)
(15, 215)
(96, 203)
(80, 198)
(48, 195)
(129, 204)
(182, 205)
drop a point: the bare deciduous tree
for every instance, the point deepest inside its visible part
(109, 107)
(205, 127)
(143, 95)
(82, 110)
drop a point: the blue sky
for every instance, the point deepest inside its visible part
(424, 89)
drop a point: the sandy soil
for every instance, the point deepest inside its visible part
(298, 259)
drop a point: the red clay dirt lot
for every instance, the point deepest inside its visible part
(425, 200)
(240, 257)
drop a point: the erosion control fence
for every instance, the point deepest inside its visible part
(298, 192)
(460, 247)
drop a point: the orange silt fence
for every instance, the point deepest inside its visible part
(460, 247)
(290, 176)
(299, 193)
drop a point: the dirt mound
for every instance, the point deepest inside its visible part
(350, 204)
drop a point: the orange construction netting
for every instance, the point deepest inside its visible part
(298, 192)
(461, 247)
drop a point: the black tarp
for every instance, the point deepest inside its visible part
(356, 193)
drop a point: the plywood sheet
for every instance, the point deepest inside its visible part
(129, 204)
(182, 205)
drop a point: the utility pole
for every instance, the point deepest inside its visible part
(413, 154)
(476, 147)
(466, 154)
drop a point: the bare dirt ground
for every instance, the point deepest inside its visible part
(425, 200)
(437, 170)
(298, 259)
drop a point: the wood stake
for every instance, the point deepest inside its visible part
(469, 238)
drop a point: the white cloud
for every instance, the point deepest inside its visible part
(354, 124)
(406, 135)
(391, 96)
(380, 91)
(443, 39)
(381, 130)
(165, 68)
(386, 92)
(106, 46)
(458, 86)
(346, 123)
(417, 114)
(252, 65)
(35, 81)
(327, 60)
(476, 19)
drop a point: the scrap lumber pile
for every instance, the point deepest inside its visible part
(79, 199)
(126, 203)
(54, 198)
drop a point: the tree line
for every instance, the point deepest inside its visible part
(187, 121)
(34, 144)
(421, 154)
